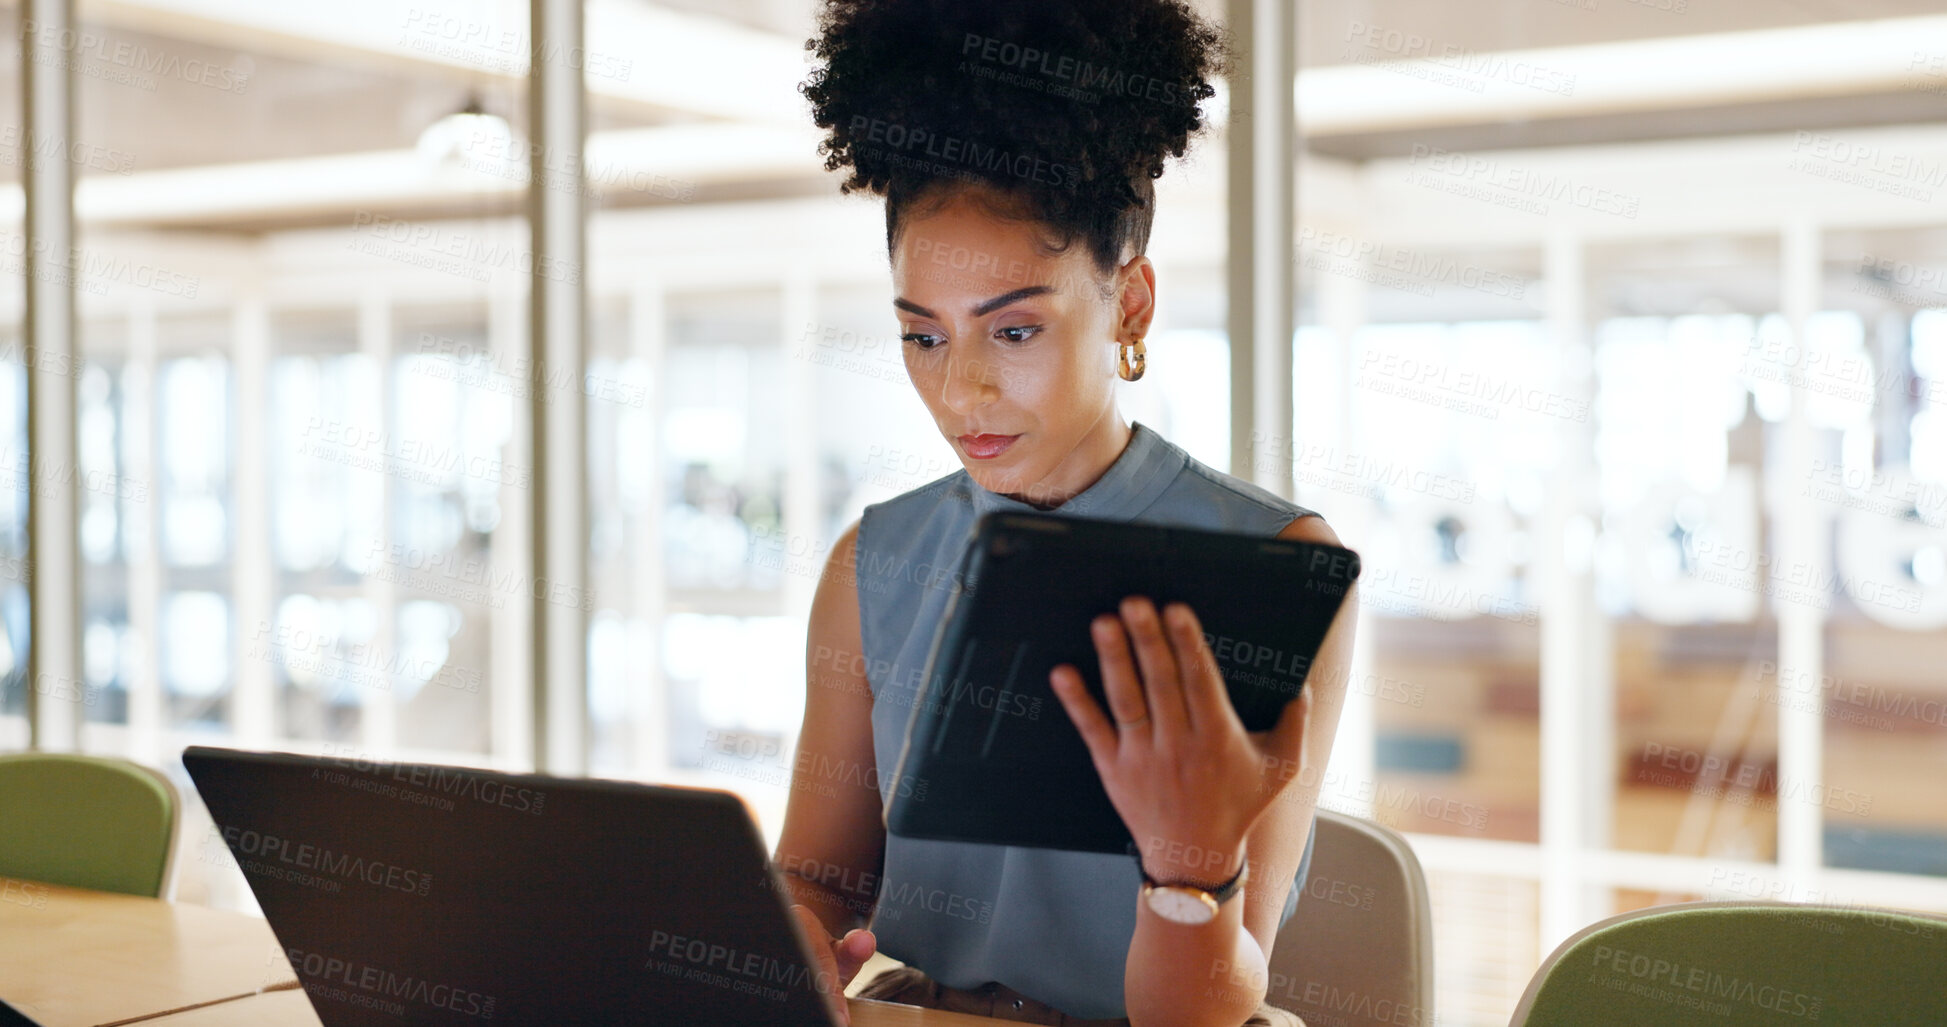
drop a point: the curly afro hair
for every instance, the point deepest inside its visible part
(1066, 108)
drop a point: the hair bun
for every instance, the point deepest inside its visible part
(1078, 102)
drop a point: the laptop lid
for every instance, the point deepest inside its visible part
(413, 893)
(11, 1017)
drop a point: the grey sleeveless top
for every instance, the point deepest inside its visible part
(1050, 924)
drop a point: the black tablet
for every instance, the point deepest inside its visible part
(1001, 761)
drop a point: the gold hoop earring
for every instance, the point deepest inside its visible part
(1130, 367)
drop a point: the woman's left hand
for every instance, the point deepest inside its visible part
(1187, 778)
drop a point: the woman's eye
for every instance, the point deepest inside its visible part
(1019, 333)
(921, 339)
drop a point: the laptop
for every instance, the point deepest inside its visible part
(11, 1017)
(423, 894)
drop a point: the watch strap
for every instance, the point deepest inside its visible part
(1221, 893)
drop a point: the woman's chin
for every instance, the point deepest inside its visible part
(988, 478)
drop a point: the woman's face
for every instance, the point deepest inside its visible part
(1002, 339)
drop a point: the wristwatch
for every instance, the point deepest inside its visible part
(1189, 903)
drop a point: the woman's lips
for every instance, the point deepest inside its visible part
(986, 447)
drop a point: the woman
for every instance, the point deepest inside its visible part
(1015, 143)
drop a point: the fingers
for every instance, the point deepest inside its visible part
(1202, 679)
(1120, 681)
(825, 976)
(1162, 690)
(1098, 733)
(852, 951)
(821, 940)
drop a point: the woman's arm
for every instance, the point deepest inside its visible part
(1170, 783)
(832, 847)
(1285, 828)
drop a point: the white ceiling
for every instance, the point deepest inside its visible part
(1474, 24)
(343, 80)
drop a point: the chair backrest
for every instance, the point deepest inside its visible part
(87, 822)
(1359, 949)
(1732, 963)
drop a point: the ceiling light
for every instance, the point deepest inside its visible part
(467, 137)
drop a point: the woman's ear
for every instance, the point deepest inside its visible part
(1135, 297)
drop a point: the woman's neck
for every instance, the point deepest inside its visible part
(1084, 465)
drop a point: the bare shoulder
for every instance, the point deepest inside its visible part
(834, 603)
(1310, 528)
(845, 547)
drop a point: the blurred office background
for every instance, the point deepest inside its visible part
(1622, 358)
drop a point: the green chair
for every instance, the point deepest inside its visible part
(1727, 964)
(87, 822)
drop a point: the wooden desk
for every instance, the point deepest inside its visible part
(289, 1009)
(72, 958)
(271, 1009)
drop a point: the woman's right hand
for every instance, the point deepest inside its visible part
(837, 959)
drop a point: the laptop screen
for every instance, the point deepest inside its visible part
(414, 893)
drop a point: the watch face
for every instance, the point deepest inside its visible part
(1183, 905)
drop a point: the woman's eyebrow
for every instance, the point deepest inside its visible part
(985, 307)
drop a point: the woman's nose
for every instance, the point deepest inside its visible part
(969, 382)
